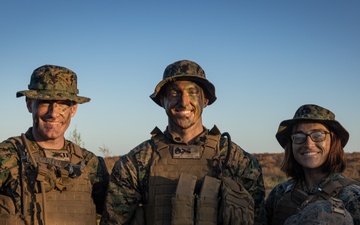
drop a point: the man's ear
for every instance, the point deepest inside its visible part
(29, 104)
(74, 109)
(161, 100)
(206, 102)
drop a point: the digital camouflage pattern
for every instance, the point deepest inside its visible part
(185, 70)
(314, 114)
(51, 82)
(130, 174)
(350, 195)
(320, 212)
(10, 173)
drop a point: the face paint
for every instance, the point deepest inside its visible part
(51, 118)
(184, 102)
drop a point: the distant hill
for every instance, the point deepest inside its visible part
(270, 163)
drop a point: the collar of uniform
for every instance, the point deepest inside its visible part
(198, 140)
(36, 147)
(29, 135)
(314, 189)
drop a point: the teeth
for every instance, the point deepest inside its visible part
(53, 123)
(310, 153)
(184, 113)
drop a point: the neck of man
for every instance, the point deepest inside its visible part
(186, 134)
(57, 143)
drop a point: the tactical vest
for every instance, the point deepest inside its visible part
(168, 163)
(295, 199)
(55, 190)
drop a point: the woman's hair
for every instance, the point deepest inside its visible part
(335, 162)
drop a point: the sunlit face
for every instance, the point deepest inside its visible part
(311, 154)
(184, 102)
(50, 118)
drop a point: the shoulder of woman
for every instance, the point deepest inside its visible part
(282, 188)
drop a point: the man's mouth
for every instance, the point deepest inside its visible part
(52, 123)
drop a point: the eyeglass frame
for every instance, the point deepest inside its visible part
(310, 135)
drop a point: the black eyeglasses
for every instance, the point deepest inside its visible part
(316, 136)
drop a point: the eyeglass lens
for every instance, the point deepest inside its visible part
(316, 136)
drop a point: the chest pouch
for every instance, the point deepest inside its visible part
(45, 174)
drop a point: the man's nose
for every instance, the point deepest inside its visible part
(185, 99)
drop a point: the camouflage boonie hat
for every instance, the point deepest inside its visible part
(51, 82)
(185, 70)
(314, 114)
(322, 212)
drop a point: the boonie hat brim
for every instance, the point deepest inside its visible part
(206, 85)
(52, 95)
(309, 116)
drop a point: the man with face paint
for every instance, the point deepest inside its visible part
(187, 174)
(44, 178)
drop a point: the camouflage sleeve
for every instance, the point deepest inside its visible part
(248, 171)
(8, 162)
(271, 201)
(99, 177)
(127, 180)
(9, 172)
(350, 195)
(253, 181)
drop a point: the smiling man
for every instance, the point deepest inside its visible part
(44, 178)
(187, 174)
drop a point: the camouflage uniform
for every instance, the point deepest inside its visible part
(320, 212)
(89, 178)
(10, 174)
(130, 175)
(128, 187)
(288, 199)
(350, 195)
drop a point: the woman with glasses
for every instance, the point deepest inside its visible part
(314, 160)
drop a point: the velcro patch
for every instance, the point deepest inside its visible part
(62, 155)
(186, 151)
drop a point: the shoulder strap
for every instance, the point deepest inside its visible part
(17, 142)
(213, 138)
(76, 155)
(327, 191)
(24, 151)
(19, 145)
(158, 138)
(334, 187)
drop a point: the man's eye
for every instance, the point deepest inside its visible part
(193, 92)
(64, 103)
(43, 103)
(173, 93)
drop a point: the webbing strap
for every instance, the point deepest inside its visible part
(334, 187)
(159, 139)
(18, 144)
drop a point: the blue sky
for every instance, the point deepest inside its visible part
(266, 58)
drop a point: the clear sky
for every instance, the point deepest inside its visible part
(266, 58)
